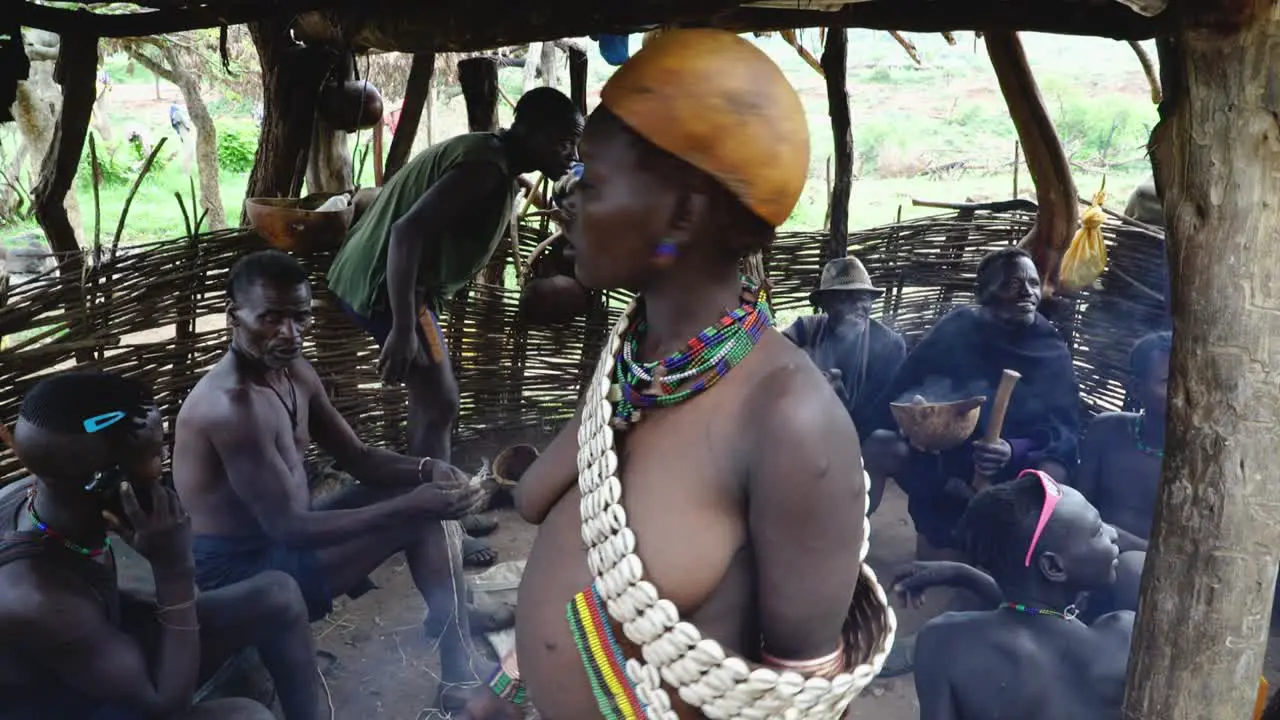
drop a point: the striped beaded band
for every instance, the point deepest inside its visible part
(506, 687)
(603, 658)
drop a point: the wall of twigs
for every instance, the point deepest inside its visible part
(156, 312)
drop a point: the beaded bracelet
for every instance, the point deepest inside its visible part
(506, 686)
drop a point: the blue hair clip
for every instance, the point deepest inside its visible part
(103, 421)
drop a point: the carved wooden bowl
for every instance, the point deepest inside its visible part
(292, 224)
(510, 464)
(939, 426)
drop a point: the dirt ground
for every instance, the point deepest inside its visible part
(383, 668)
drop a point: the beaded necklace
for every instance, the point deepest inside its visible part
(709, 356)
(1137, 437)
(1068, 613)
(68, 544)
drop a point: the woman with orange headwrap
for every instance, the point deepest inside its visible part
(718, 486)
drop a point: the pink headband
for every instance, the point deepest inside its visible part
(1052, 494)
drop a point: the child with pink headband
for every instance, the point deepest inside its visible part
(1044, 545)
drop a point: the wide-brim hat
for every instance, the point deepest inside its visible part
(845, 274)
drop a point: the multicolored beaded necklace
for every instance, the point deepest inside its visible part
(1138, 422)
(68, 544)
(1068, 613)
(708, 357)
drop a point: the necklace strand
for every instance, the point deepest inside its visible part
(676, 378)
(1068, 613)
(43, 527)
(1138, 423)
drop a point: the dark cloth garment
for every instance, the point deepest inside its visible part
(379, 322)
(225, 560)
(43, 696)
(962, 356)
(866, 368)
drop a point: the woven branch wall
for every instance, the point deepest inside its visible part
(157, 313)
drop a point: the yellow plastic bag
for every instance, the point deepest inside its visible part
(1086, 258)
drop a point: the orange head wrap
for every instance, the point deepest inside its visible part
(720, 104)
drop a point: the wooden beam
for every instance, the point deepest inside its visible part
(835, 67)
(1056, 197)
(1207, 589)
(291, 80)
(416, 90)
(577, 76)
(75, 72)
(478, 77)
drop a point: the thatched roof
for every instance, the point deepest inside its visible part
(421, 25)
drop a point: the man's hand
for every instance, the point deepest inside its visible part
(959, 489)
(162, 536)
(438, 471)
(448, 500)
(398, 353)
(836, 379)
(990, 458)
(884, 452)
(485, 705)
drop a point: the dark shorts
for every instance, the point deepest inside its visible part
(225, 560)
(378, 325)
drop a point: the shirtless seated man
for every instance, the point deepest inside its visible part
(1120, 462)
(1043, 544)
(73, 646)
(238, 464)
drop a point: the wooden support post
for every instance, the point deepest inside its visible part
(416, 90)
(1206, 597)
(291, 80)
(577, 76)
(329, 164)
(1056, 197)
(834, 66)
(75, 72)
(479, 79)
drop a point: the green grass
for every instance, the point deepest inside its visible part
(939, 131)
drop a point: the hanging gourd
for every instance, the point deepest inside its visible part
(350, 106)
(1086, 257)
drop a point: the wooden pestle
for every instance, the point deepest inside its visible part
(995, 424)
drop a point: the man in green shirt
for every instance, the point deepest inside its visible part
(432, 228)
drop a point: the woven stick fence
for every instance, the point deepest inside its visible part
(157, 312)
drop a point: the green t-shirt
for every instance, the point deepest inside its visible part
(359, 272)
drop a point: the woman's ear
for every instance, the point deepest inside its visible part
(1052, 567)
(689, 214)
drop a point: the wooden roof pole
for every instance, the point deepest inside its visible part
(1055, 190)
(417, 88)
(835, 69)
(1206, 602)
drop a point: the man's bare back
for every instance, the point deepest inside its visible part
(1001, 664)
(686, 475)
(216, 508)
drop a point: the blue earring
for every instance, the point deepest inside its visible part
(666, 250)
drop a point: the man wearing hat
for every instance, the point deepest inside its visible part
(859, 354)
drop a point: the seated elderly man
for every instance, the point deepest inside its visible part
(73, 644)
(238, 465)
(860, 355)
(962, 356)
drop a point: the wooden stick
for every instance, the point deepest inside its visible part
(995, 424)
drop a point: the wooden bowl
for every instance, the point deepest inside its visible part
(292, 224)
(940, 426)
(510, 464)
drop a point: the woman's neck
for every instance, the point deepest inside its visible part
(680, 306)
(78, 520)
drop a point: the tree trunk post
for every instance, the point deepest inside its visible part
(834, 67)
(1206, 596)
(291, 80)
(417, 89)
(329, 168)
(76, 71)
(578, 78)
(478, 77)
